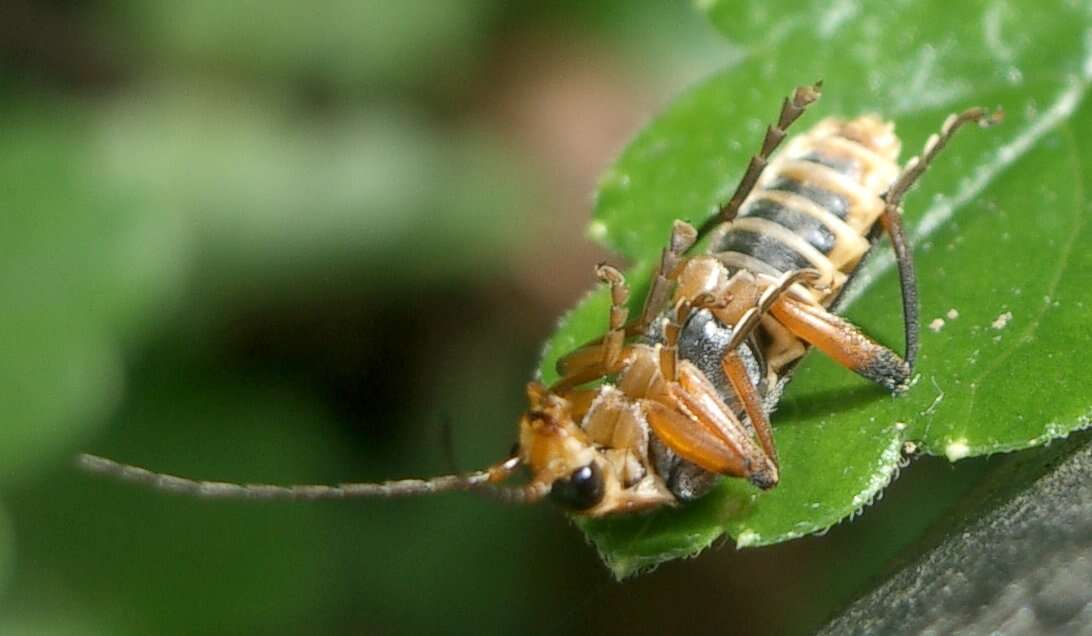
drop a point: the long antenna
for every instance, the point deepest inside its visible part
(485, 481)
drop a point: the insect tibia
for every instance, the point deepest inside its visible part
(479, 480)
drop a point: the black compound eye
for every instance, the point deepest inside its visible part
(581, 490)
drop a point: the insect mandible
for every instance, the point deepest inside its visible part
(660, 407)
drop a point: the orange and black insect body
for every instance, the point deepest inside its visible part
(661, 406)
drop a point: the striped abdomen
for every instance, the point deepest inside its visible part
(816, 203)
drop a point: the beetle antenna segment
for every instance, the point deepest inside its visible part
(892, 217)
(791, 109)
(482, 480)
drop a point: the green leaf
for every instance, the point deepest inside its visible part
(84, 268)
(46, 623)
(998, 226)
(7, 549)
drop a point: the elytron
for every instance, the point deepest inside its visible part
(655, 411)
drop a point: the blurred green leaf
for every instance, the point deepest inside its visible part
(998, 226)
(268, 195)
(7, 549)
(240, 566)
(83, 263)
(352, 44)
(46, 623)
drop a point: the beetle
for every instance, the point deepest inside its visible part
(655, 411)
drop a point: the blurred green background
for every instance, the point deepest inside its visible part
(252, 242)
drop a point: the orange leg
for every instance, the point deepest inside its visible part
(579, 367)
(616, 333)
(605, 356)
(843, 342)
(659, 294)
(701, 428)
(751, 401)
(682, 238)
(750, 319)
(669, 350)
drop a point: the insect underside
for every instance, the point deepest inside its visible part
(661, 406)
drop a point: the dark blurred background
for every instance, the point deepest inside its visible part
(255, 242)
